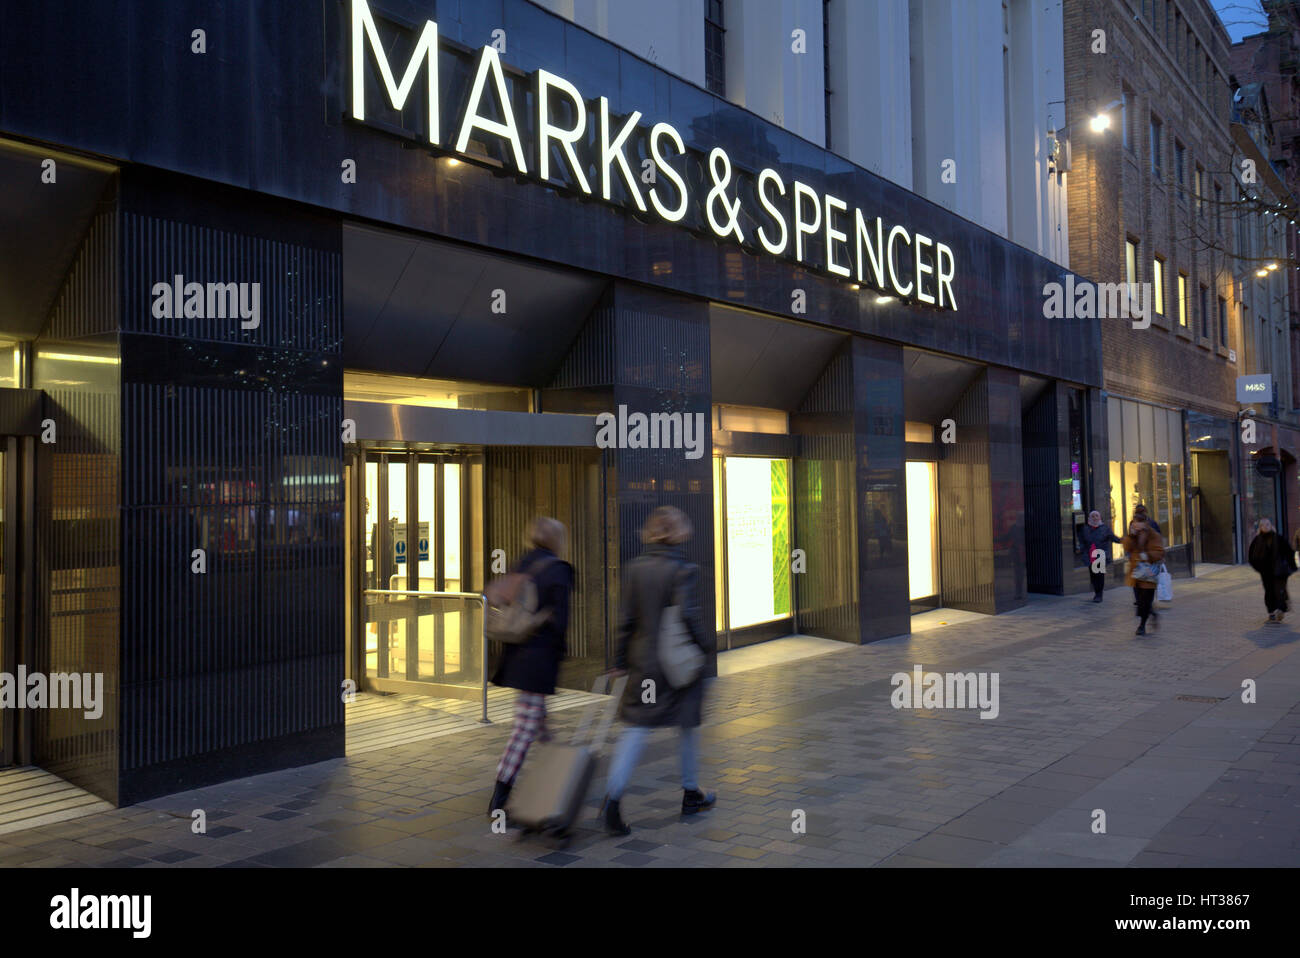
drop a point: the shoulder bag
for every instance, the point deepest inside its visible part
(680, 658)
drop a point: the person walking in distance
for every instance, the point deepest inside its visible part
(1140, 512)
(533, 666)
(1097, 539)
(1270, 555)
(652, 583)
(1144, 549)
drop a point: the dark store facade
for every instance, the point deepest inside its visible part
(279, 351)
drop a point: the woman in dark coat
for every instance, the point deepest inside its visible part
(1272, 558)
(1096, 538)
(533, 667)
(652, 582)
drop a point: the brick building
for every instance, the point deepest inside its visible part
(1150, 199)
(1264, 66)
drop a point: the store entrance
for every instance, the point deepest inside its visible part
(415, 570)
(752, 551)
(1212, 511)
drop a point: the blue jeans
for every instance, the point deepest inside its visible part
(628, 752)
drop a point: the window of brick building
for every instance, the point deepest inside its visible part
(1180, 165)
(1158, 281)
(1125, 115)
(715, 62)
(1205, 311)
(1157, 136)
(826, 67)
(1223, 321)
(1182, 300)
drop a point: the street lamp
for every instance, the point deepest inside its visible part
(1057, 144)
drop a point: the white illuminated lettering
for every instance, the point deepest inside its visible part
(490, 62)
(875, 254)
(922, 268)
(666, 130)
(612, 151)
(874, 258)
(764, 178)
(363, 30)
(944, 254)
(546, 131)
(893, 275)
(801, 227)
(833, 235)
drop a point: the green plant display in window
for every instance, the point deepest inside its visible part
(780, 537)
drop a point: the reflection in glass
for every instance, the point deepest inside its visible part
(1118, 510)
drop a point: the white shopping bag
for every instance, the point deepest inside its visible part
(1164, 585)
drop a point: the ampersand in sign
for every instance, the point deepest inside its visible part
(720, 170)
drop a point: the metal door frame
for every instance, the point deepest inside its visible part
(17, 635)
(9, 632)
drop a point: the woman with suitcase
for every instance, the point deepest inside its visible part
(659, 580)
(533, 666)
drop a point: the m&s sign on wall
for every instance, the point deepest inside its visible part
(547, 130)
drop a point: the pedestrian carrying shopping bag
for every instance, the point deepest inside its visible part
(1146, 572)
(1164, 585)
(680, 658)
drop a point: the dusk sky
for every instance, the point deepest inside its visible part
(1241, 17)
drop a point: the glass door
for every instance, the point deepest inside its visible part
(420, 558)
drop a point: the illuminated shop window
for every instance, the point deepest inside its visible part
(757, 527)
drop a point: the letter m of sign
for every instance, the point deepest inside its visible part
(363, 30)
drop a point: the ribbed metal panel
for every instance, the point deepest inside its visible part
(825, 486)
(88, 302)
(78, 519)
(297, 285)
(566, 484)
(590, 361)
(1042, 446)
(245, 464)
(965, 513)
(241, 652)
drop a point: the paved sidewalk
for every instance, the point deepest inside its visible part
(1151, 732)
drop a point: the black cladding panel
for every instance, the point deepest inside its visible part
(759, 361)
(422, 308)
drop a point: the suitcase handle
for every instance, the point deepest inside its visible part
(615, 691)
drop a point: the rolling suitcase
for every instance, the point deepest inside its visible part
(553, 783)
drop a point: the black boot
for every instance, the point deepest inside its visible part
(499, 795)
(697, 801)
(614, 824)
